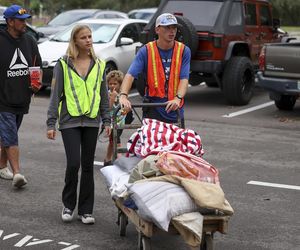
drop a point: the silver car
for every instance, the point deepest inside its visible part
(115, 41)
(62, 20)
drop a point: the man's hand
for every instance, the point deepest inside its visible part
(173, 105)
(124, 102)
(51, 134)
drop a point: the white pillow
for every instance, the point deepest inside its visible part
(116, 180)
(127, 163)
(159, 201)
(112, 174)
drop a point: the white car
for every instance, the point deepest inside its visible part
(145, 13)
(62, 20)
(115, 41)
(2, 9)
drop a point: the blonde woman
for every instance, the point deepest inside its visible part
(79, 102)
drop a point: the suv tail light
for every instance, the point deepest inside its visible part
(217, 41)
(262, 59)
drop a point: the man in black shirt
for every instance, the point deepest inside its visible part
(18, 51)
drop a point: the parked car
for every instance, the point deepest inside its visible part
(145, 14)
(280, 73)
(115, 41)
(2, 9)
(68, 17)
(110, 14)
(225, 38)
(30, 30)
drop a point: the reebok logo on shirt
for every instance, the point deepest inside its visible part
(18, 65)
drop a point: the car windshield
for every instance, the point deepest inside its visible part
(141, 15)
(198, 12)
(67, 18)
(102, 33)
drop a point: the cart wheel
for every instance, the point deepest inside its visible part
(123, 224)
(144, 243)
(207, 242)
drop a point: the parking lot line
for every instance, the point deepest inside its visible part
(98, 163)
(269, 184)
(244, 111)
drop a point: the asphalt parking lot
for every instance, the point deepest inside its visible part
(256, 149)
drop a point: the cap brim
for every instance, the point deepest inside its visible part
(24, 16)
(178, 25)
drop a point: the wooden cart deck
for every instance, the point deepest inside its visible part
(146, 229)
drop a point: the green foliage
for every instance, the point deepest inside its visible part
(288, 11)
(9, 2)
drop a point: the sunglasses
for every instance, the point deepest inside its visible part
(21, 12)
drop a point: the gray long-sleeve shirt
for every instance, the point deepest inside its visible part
(65, 119)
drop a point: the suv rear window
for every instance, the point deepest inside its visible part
(204, 12)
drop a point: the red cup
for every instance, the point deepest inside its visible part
(35, 75)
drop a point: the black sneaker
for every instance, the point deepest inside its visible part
(67, 214)
(107, 163)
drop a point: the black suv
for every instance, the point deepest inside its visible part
(225, 37)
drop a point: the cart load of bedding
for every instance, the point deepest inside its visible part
(165, 179)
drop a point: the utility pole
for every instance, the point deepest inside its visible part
(27, 4)
(27, 7)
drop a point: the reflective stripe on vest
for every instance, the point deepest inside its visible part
(83, 96)
(156, 74)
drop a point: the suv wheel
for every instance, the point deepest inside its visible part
(186, 33)
(286, 102)
(110, 66)
(238, 80)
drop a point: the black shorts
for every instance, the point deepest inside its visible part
(152, 113)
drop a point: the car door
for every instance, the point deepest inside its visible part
(252, 29)
(266, 23)
(127, 52)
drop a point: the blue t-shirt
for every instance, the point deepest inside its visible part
(139, 65)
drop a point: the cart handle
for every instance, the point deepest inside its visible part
(140, 105)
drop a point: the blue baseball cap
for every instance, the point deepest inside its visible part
(166, 19)
(16, 11)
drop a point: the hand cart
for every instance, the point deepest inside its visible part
(211, 223)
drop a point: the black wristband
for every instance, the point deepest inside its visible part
(179, 97)
(124, 94)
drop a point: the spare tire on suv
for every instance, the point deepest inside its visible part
(186, 33)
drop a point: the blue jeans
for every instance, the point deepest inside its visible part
(9, 126)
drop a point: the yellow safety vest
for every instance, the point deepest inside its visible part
(83, 96)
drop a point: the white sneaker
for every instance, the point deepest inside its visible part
(6, 174)
(67, 214)
(87, 219)
(19, 180)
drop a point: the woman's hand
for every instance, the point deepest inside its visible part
(51, 134)
(107, 130)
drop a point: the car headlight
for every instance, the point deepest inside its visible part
(46, 64)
